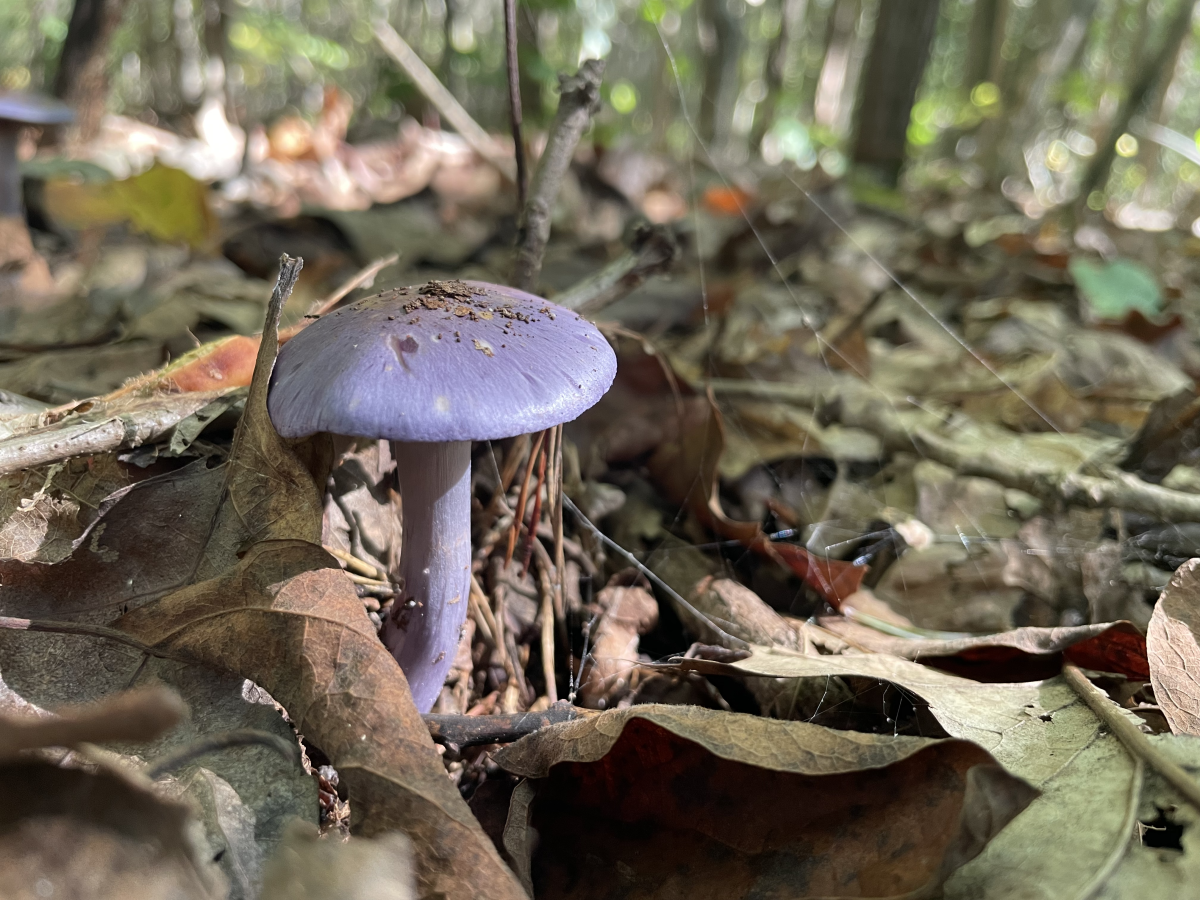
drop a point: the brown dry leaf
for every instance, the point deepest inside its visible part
(1023, 654)
(269, 492)
(687, 471)
(355, 869)
(683, 801)
(289, 620)
(1174, 651)
(97, 836)
(622, 614)
(145, 542)
(141, 714)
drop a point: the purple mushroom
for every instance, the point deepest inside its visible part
(432, 368)
(16, 111)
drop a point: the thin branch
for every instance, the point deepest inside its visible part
(652, 250)
(469, 731)
(1136, 743)
(363, 276)
(222, 740)
(49, 626)
(579, 100)
(514, 98)
(1121, 846)
(1109, 487)
(452, 111)
(729, 640)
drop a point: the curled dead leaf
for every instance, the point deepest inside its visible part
(708, 804)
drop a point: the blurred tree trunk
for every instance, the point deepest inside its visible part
(216, 45)
(983, 41)
(778, 55)
(1053, 64)
(836, 68)
(721, 44)
(899, 51)
(82, 77)
(1152, 71)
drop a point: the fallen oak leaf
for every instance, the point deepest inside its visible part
(287, 618)
(1174, 651)
(709, 804)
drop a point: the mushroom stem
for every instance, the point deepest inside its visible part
(10, 176)
(435, 563)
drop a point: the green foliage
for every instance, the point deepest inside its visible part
(1117, 288)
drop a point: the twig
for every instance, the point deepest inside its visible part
(1110, 488)
(363, 276)
(453, 112)
(105, 427)
(546, 588)
(354, 564)
(139, 715)
(514, 97)
(536, 516)
(730, 641)
(652, 250)
(223, 740)
(49, 626)
(470, 731)
(519, 512)
(580, 98)
(1136, 743)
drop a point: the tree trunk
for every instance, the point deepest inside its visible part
(82, 77)
(899, 52)
(1151, 72)
(723, 52)
(986, 21)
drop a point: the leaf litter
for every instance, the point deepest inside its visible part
(933, 516)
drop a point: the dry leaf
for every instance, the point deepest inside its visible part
(1023, 654)
(97, 836)
(683, 801)
(289, 620)
(1174, 652)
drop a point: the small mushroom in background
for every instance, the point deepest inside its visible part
(26, 275)
(433, 368)
(17, 110)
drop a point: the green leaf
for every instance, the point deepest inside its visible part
(1117, 288)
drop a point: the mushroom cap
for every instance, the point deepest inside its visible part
(33, 109)
(444, 361)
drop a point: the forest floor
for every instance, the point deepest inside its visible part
(871, 575)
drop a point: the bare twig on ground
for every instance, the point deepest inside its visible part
(514, 98)
(49, 626)
(141, 714)
(428, 84)
(652, 250)
(580, 98)
(1108, 486)
(1127, 732)
(223, 740)
(469, 731)
(104, 427)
